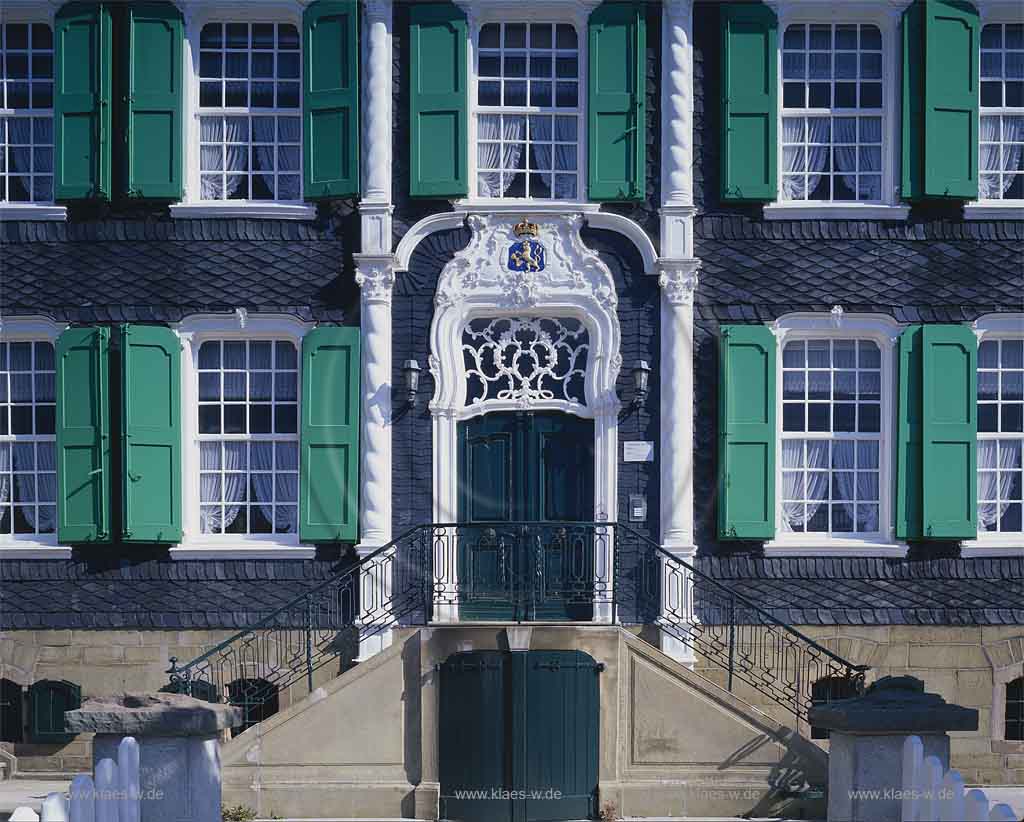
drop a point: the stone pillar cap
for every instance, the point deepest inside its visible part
(892, 705)
(151, 715)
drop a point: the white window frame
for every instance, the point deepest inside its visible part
(884, 332)
(885, 14)
(193, 332)
(33, 11)
(481, 12)
(995, 543)
(197, 15)
(994, 11)
(31, 546)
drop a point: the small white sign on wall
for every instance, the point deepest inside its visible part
(637, 451)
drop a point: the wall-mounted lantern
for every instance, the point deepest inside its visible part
(411, 378)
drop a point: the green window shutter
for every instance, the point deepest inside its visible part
(747, 434)
(439, 146)
(48, 700)
(908, 436)
(151, 433)
(617, 119)
(940, 99)
(331, 99)
(153, 103)
(949, 393)
(83, 435)
(82, 98)
(750, 101)
(329, 480)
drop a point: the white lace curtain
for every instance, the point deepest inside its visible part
(798, 187)
(994, 185)
(844, 130)
(851, 485)
(512, 132)
(992, 485)
(216, 518)
(564, 155)
(235, 158)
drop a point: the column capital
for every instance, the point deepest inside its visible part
(375, 276)
(678, 280)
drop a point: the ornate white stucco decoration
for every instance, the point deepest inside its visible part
(563, 303)
(479, 282)
(525, 359)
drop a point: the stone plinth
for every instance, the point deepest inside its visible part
(865, 770)
(179, 753)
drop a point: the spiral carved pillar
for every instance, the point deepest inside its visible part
(375, 276)
(677, 129)
(375, 207)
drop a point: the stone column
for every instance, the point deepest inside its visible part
(677, 129)
(375, 276)
(375, 207)
(678, 280)
(865, 765)
(178, 745)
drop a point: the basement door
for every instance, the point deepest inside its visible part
(518, 736)
(520, 473)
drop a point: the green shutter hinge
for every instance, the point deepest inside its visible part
(928, 530)
(731, 531)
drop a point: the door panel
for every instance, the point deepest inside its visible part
(526, 467)
(473, 729)
(521, 729)
(561, 736)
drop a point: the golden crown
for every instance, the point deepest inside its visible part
(526, 227)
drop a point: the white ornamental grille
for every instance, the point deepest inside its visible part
(525, 359)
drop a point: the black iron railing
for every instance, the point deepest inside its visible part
(514, 572)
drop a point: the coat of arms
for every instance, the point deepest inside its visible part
(526, 255)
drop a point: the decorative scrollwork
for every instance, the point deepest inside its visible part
(525, 359)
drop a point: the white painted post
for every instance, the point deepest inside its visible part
(129, 800)
(913, 767)
(375, 275)
(1002, 813)
(976, 806)
(83, 799)
(55, 808)
(106, 785)
(931, 785)
(951, 799)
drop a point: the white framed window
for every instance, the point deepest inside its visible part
(1000, 435)
(241, 390)
(527, 110)
(834, 426)
(26, 112)
(833, 102)
(28, 419)
(244, 134)
(250, 123)
(838, 125)
(1001, 154)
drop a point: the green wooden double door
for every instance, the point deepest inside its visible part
(518, 736)
(521, 476)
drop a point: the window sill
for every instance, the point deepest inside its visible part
(995, 210)
(501, 205)
(241, 550)
(34, 549)
(1003, 545)
(835, 211)
(30, 211)
(834, 548)
(246, 210)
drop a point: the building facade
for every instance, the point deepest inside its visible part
(701, 319)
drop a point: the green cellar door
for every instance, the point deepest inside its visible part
(519, 736)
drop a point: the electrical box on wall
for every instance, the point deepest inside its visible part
(637, 508)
